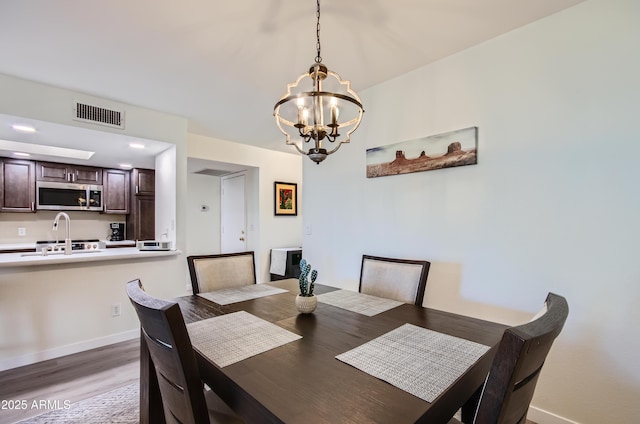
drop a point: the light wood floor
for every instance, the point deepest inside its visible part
(70, 378)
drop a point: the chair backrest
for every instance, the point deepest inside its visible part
(399, 279)
(509, 387)
(170, 349)
(226, 270)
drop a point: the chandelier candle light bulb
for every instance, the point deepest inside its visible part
(301, 110)
(334, 111)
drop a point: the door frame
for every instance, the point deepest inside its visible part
(223, 208)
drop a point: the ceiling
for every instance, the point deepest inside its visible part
(108, 150)
(223, 65)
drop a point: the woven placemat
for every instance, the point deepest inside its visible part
(361, 303)
(417, 360)
(240, 294)
(230, 338)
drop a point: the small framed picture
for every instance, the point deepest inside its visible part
(286, 198)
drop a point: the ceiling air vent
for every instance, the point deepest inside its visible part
(98, 115)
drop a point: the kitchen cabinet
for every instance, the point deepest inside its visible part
(116, 189)
(141, 221)
(67, 173)
(17, 185)
(143, 182)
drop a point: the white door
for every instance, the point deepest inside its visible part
(232, 215)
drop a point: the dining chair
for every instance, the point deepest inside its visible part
(184, 399)
(221, 271)
(399, 279)
(509, 387)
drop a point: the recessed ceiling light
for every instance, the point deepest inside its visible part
(40, 149)
(136, 145)
(23, 128)
(126, 166)
(21, 154)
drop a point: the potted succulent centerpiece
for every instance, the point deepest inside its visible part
(306, 301)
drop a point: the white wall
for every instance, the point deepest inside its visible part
(268, 231)
(552, 204)
(48, 311)
(203, 227)
(165, 195)
(33, 100)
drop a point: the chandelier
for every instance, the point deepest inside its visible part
(330, 111)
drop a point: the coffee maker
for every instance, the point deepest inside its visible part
(117, 231)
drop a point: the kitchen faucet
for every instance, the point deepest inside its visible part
(67, 239)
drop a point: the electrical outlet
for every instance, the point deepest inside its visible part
(115, 310)
(22, 231)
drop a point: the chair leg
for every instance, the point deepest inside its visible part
(469, 408)
(151, 409)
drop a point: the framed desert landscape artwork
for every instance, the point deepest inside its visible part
(286, 198)
(455, 148)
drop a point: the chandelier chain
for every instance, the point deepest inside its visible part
(318, 58)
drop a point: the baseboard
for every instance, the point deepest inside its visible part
(540, 416)
(57, 352)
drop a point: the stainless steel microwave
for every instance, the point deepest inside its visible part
(68, 196)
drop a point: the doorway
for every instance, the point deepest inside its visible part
(233, 214)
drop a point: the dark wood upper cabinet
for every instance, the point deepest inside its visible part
(116, 190)
(17, 185)
(66, 173)
(143, 182)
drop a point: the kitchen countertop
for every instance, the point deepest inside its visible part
(20, 260)
(32, 245)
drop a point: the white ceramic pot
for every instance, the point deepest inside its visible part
(306, 304)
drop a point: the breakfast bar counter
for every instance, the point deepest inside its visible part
(33, 258)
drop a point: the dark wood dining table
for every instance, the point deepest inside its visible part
(303, 382)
